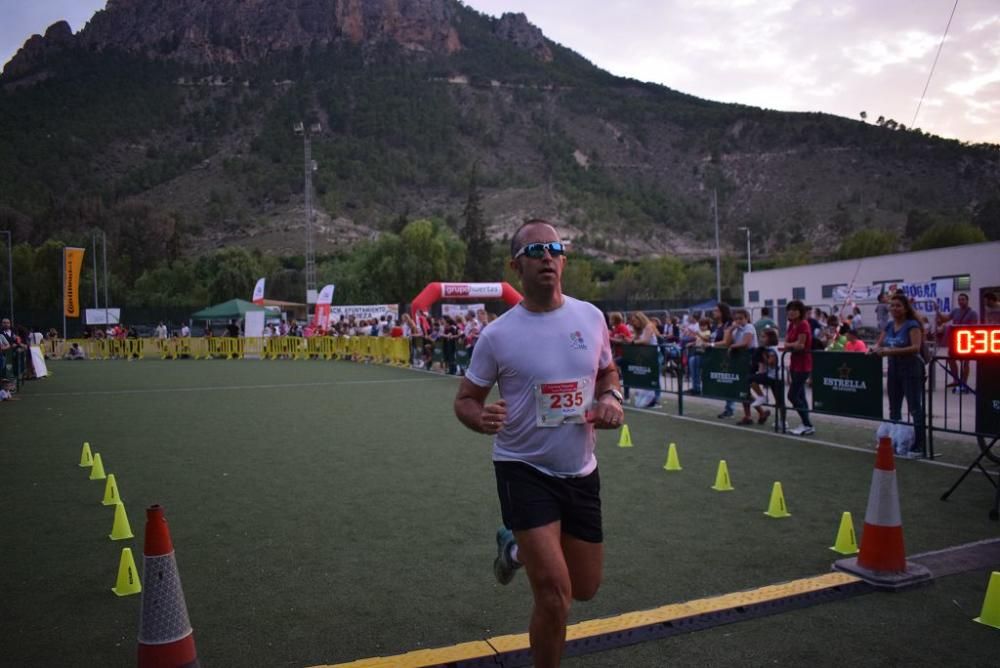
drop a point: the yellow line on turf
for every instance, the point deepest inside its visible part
(598, 627)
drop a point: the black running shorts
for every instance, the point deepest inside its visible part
(530, 499)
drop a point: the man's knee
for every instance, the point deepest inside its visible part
(586, 591)
(553, 595)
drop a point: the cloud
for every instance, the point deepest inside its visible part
(872, 57)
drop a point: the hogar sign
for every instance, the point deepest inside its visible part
(927, 295)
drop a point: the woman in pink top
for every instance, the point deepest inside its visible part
(799, 342)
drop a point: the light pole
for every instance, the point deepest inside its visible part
(10, 272)
(718, 249)
(749, 266)
(309, 166)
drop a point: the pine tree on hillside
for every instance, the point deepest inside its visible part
(478, 256)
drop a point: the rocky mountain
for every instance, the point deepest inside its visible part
(188, 107)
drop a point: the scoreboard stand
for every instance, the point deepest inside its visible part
(981, 343)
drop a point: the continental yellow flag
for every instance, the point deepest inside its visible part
(73, 259)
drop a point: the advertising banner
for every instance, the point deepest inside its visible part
(103, 316)
(451, 310)
(73, 260)
(322, 317)
(725, 374)
(640, 367)
(860, 293)
(471, 290)
(927, 296)
(364, 312)
(258, 292)
(847, 384)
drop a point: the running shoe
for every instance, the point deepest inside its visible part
(746, 419)
(764, 415)
(725, 414)
(503, 566)
(802, 431)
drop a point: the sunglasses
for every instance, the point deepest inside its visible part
(536, 251)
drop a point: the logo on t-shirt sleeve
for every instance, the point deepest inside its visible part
(576, 341)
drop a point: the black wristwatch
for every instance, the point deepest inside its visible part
(615, 393)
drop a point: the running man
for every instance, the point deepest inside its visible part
(552, 360)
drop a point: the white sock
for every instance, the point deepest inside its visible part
(513, 554)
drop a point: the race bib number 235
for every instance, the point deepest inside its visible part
(564, 401)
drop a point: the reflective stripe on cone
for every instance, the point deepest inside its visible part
(166, 639)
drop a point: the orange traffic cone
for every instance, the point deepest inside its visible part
(882, 559)
(166, 639)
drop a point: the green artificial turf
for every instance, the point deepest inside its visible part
(328, 511)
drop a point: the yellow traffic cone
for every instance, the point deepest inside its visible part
(776, 508)
(128, 577)
(97, 470)
(722, 482)
(673, 463)
(625, 440)
(990, 616)
(847, 542)
(86, 459)
(120, 530)
(111, 496)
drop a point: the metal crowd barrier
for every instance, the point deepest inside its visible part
(383, 350)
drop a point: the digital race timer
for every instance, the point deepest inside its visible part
(974, 342)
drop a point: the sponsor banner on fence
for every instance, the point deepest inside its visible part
(725, 374)
(365, 312)
(451, 310)
(927, 296)
(471, 290)
(73, 258)
(641, 367)
(847, 384)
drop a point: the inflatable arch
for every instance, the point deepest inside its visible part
(435, 292)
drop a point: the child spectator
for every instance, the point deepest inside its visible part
(766, 375)
(854, 344)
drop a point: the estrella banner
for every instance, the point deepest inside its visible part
(847, 384)
(322, 318)
(641, 367)
(725, 374)
(258, 292)
(73, 263)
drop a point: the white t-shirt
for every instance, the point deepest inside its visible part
(739, 333)
(539, 359)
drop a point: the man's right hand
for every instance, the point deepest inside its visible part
(492, 417)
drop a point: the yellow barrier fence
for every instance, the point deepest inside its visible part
(383, 350)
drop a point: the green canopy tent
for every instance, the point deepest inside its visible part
(234, 309)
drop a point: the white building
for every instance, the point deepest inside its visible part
(933, 278)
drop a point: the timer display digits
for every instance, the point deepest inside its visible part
(974, 342)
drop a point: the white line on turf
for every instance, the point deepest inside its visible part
(232, 388)
(817, 441)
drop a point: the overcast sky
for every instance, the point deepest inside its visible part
(837, 56)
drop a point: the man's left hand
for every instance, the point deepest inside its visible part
(606, 413)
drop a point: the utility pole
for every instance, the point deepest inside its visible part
(309, 166)
(10, 272)
(718, 249)
(104, 236)
(749, 266)
(93, 249)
